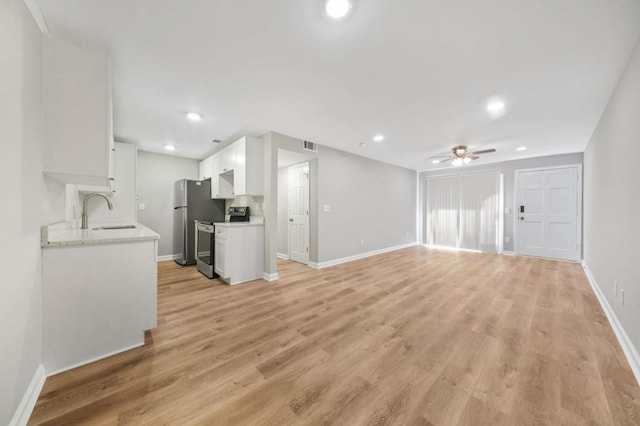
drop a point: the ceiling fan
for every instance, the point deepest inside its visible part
(460, 155)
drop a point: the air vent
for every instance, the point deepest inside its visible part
(215, 141)
(310, 146)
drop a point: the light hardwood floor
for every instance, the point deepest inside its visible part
(416, 336)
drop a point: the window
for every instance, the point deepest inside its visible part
(463, 211)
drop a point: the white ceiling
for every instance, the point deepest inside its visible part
(417, 71)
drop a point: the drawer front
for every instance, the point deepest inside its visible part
(221, 232)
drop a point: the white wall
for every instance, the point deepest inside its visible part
(611, 200)
(370, 201)
(157, 174)
(123, 197)
(255, 204)
(508, 169)
(28, 201)
(364, 195)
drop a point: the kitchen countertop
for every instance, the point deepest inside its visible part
(238, 224)
(64, 234)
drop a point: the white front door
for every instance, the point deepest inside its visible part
(547, 213)
(299, 213)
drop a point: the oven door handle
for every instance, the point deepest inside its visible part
(205, 228)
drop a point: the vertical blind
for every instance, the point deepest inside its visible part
(463, 211)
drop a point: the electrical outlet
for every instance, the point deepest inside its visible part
(507, 210)
(327, 207)
(141, 207)
(361, 241)
(507, 239)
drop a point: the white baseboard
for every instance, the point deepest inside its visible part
(334, 262)
(98, 358)
(270, 277)
(508, 253)
(283, 256)
(28, 402)
(628, 348)
(167, 257)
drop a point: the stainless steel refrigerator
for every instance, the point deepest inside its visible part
(192, 201)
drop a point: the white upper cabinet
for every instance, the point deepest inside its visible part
(227, 158)
(250, 167)
(78, 126)
(241, 169)
(205, 168)
(215, 176)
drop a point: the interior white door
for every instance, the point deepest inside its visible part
(299, 213)
(547, 209)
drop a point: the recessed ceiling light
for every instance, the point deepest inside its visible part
(521, 148)
(337, 9)
(170, 147)
(435, 161)
(378, 138)
(194, 116)
(496, 107)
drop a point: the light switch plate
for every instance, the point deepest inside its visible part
(327, 207)
(141, 207)
(507, 210)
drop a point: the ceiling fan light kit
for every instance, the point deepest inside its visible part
(461, 155)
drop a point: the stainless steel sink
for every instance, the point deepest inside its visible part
(104, 228)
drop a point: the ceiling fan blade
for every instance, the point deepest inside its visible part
(484, 151)
(473, 157)
(440, 156)
(444, 161)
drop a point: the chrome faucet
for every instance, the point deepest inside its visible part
(85, 212)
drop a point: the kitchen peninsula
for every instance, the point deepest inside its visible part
(99, 291)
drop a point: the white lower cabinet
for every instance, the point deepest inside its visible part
(98, 299)
(239, 252)
(219, 257)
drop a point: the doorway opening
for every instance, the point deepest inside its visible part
(293, 206)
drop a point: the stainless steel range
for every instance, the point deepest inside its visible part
(205, 247)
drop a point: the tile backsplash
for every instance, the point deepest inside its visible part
(255, 204)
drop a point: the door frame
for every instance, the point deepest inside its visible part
(307, 230)
(516, 228)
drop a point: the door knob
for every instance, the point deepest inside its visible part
(521, 218)
(290, 220)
